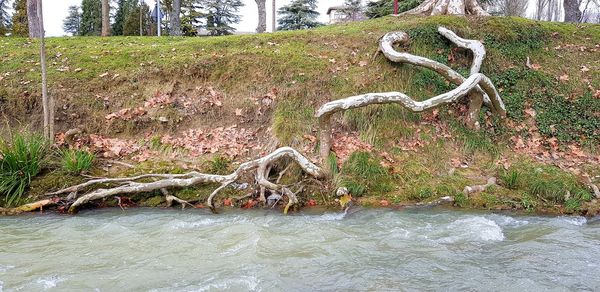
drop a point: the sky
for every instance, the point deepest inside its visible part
(55, 12)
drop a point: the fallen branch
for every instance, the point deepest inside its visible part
(479, 188)
(129, 185)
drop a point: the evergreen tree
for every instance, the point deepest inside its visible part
(190, 17)
(20, 24)
(220, 15)
(4, 18)
(124, 8)
(352, 9)
(72, 24)
(299, 14)
(91, 17)
(132, 21)
(382, 8)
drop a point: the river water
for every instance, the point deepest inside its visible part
(374, 250)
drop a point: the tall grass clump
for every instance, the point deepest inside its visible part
(21, 159)
(75, 161)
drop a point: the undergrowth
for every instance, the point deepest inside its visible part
(21, 159)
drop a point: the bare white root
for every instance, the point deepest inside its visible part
(449, 7)
(130, 185)
(477, 86)
(479, 188)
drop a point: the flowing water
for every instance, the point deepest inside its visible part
(375, 250)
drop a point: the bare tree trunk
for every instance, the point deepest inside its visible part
(262, 16)
(48, 105)
(274, 18)
(572, 12)
(175, 20)
(33, 20)
(105, 18)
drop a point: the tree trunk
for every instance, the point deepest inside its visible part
(274, 17)
(572, 12)
(175, 20)
(47, 104)
(35, 30)
(105, 18)
(262, 16)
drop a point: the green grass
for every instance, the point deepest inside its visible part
(21, 159)
(362, 173)
(75, 161)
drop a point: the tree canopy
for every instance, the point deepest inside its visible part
(72, 24)
(299, 14)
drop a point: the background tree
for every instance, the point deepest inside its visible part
(190, 18)
(124, 7)
(91, 17)
(299, 14)
(105, 18)
(132, 21)
(509, 7)
(35, 29)
(220, 15)
(382, 8)
(72, 23)
(262, 15)
(4, 18)
(352, 10)
(175, 19)
(20, 27)
(572, 12)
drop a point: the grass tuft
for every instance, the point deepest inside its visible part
(21, 159)
(75, 161)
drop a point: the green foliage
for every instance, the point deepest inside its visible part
(21, 159)
(512, 36)
(76, 161)
(91, 17)
(290, 120)
(20, 24)
(546, 183)
(362, 173)
(72, 24)
(4, 18)
(299, 14)
(475, 141)
(528, 202)
(382, 8)
(124, 9)
(510, 179)
(460, 200)
(131, 26)
(219, 165)
(221, 15)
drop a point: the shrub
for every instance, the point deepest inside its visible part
(20, 161)
(77, 161)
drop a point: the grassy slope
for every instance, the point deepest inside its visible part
(308, 68)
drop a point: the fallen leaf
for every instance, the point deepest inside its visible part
(584, 69)
(345, 199)
(103, 75)
(311, 203)
(384, 203)
(227, 202)
(563, 77)
(239, 112)
(363, 63)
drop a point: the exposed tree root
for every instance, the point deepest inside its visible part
(130, 185)
(479, 87)
(479, 188)
(38, 205)
(449, 7)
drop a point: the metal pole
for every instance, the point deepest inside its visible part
(158, 16)
(395, 7)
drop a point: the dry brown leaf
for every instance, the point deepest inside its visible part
(239, 112)
(584, 69)
(563, 77)
(363, 63)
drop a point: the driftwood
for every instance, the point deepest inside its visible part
(130, 185)
(477, 86)
(479, 188)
